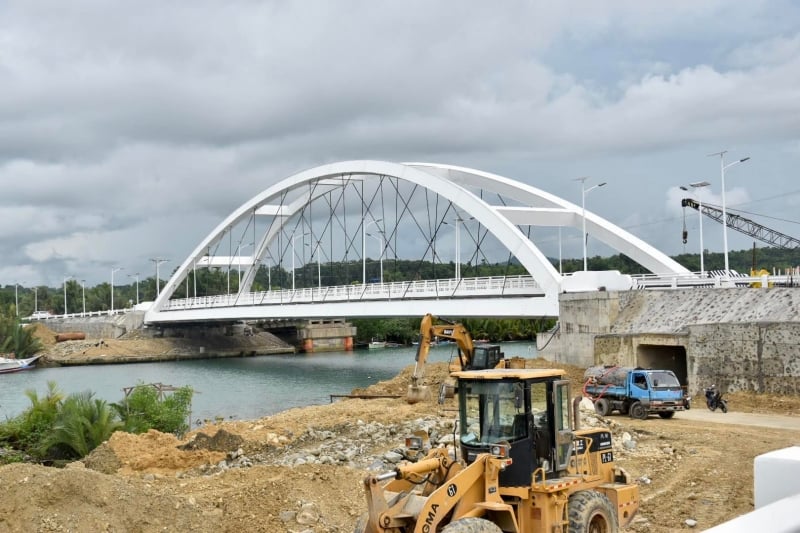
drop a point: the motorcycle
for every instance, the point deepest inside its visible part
(714, 399)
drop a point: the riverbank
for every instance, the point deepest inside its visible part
(140, 347)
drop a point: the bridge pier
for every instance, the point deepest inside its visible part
(314, 335)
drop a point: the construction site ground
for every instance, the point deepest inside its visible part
(695, 471)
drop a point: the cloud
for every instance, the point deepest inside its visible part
(130, 130)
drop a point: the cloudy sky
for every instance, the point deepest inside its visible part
(129, 130)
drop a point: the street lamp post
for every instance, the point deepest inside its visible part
(112, 287)
(364, 227)
(65, 293)
(136, 276)
(380, 241)
(294, 238)
(697, 186)
(16, 298)
(35, 300)
(158, 261)
(239, 262)
(722, 167)
(584, 192)
(83, 296)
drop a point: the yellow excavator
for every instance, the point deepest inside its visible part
(468, 357)
(525, 466)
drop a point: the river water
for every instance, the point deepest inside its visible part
(233, 388)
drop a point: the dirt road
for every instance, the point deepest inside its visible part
(742, 419)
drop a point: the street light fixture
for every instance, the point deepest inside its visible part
(112, 287)
(364, 227)
(722, 167)
(584, 192)
(697, 186)
(65, 294)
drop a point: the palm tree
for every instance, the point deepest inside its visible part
(83, 424)
(18, 338)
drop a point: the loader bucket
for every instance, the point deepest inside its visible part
(417, 393)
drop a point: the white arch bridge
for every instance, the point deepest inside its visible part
(328, 242)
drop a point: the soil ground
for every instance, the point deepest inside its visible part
(687, 469)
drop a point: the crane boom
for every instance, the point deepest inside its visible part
(745, 225)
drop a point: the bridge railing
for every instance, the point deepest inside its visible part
(396, 290)
(715, 279)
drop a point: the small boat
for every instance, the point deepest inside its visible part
(374, 345)
(12, 364)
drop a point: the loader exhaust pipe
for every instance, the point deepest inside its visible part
(576, 416)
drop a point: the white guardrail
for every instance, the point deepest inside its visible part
(712, 280)
(398, 290)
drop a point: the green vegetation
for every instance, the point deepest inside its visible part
(58, 428)
(143, 410)
(406, 330)
(16, 338)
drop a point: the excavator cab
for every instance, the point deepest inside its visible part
(486, 356)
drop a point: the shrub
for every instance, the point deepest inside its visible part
(142, 410)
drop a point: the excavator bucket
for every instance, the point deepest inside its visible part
(417, 393)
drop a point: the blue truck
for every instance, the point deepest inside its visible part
(638, 392)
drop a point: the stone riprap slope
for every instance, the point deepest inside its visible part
(671, 311)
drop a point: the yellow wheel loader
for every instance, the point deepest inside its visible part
(523, 466)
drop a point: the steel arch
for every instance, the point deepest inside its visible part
(450, 182)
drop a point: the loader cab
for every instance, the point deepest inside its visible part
(528, 409)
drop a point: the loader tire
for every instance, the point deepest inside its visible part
(472, 525)
(638, 410)
(602, 407)
(591, 512)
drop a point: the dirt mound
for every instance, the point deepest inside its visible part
(38, 498)
(45, 335)
(152, 452)
(221, 441)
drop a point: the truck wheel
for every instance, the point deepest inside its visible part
(591, 512)
(601, 407)
(638, 411)
(472, 525)
(666, 414)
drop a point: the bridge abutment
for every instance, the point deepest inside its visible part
(741, 339)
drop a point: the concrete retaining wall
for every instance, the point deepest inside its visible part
(737, 338)
(98, 327)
